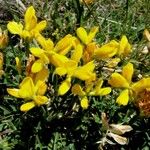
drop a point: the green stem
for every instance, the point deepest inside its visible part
(79, 12)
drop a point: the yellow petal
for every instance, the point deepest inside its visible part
(84, 102)
(127, 72)
(127, 50)
(77, 54)
(101, 91)
(89, 84)
(123, 44)
(64, 45)
(91, 47)
(15, 28)
(27, 106)
(82, 34)
(92, 34)
(90, 66)
(40, 100)
(36, 51)
(89, 52)
(64, 87)
(26, 34)
(41, 88)
(47, 45)
(26, 88)
(139, 86)
(118, 80)
(125, 47)
(60, 71)
(45, 58)
(84, 75)
(14, 92)
(37, 66)
(108, 50)
(75, 41)
(123, 98)
(86, 57)
(99, 83)
(58, 60)
(97, 87)
(30, 18)
(70, 66)
(41, 26)
(42, 75)
(77, 90)
(85, 72)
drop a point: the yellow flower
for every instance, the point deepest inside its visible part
(88, 46)
(121, 48)
(64, 45)
(98, 90)
(54, 55)
(85, 72)
(124, 46)
(31, 27)
(84, 36)
(67, 67)
(46, 44)
(65, 86)
(77, 90)
(92, 89)
(3, 39)
(42, 60)
(108, 50)
(123, 81)
(77, 53)
(45, 56)
(89, 52)
(141, 85)
(31, 92)
(72, 70)
(57, 60)
(119, 81)
(123, 98)
(41, 75)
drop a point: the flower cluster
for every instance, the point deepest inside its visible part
(76, 60)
